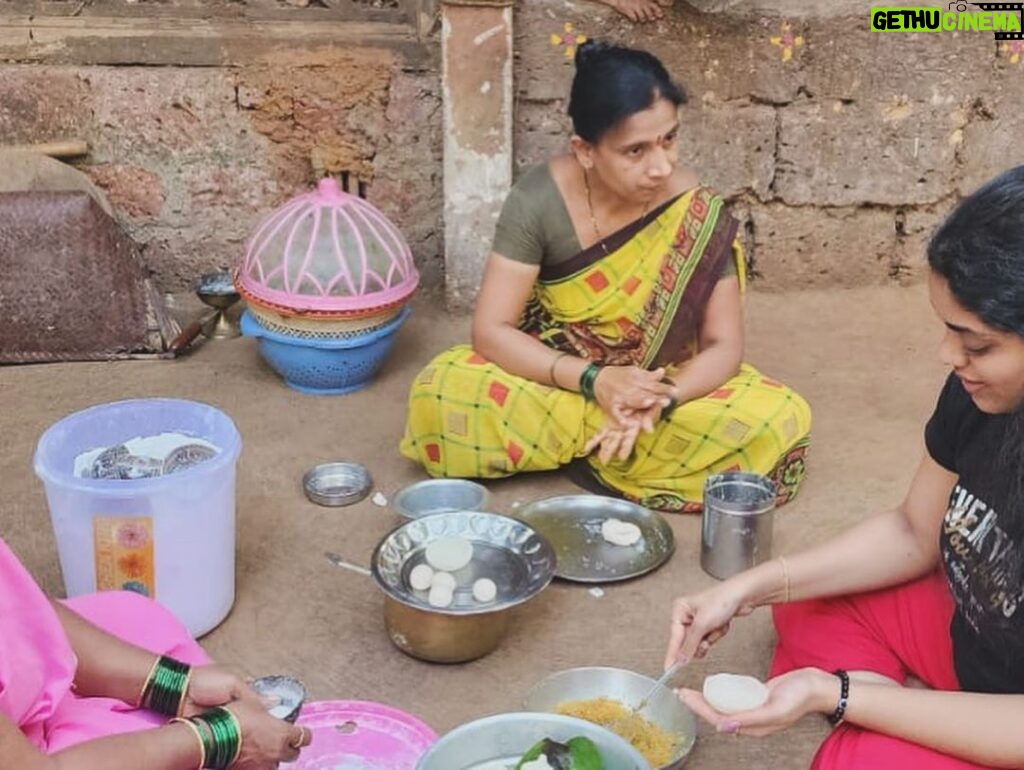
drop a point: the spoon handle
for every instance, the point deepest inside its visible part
(663, 680)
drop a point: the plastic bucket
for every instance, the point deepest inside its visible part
(170, 537)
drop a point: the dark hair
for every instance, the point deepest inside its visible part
(613, 82)
(979, 251)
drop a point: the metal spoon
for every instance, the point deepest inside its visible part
(663, 680)
(337, 561)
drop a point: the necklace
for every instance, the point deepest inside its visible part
(593, 217)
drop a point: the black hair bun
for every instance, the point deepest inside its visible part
(588, 51)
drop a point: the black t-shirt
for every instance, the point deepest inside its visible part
(981, 562)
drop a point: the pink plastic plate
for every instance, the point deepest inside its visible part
(361, 735)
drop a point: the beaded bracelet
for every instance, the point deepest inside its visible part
(165, 687)
(836, 717)
(587, 379)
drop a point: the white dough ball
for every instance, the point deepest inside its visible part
(440, 596)
(730, 693)
(445, 580)
(449, 554)
(619, 532)
(484, 590)
(421, 576)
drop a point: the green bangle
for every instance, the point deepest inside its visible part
(222, 736)
(587, 379)
(673, 402)
(165, 687)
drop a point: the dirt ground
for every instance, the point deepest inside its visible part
(865, 359)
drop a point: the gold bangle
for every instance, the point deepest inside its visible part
(785, 578)
(199, 737)
(551, 370)
(145, 683)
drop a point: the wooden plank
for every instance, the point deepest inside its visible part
(252, 10)
(191, 42)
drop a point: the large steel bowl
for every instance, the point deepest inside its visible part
(497, 743)
(509, 552)
(663, 709)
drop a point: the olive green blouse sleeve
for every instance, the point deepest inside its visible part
(518, 234)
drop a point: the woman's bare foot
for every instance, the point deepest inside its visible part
(640, 10)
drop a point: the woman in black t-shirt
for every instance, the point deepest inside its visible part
(931, 591)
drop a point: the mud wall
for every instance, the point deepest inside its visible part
(197, 127)
(840, 148)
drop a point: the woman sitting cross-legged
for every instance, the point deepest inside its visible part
(112, 681)
(932, 591)
(609, 325)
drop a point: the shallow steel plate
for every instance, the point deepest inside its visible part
(572, 524)
(336, 484)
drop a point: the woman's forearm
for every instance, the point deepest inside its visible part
(174, 747)
(975, 727)
(880, 551)
(707, 371)
(518, 353)
(107, 666)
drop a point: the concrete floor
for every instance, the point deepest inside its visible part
(864, 358)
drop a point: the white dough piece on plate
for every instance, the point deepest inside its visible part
(730, 693)
(440, 596)
(618, 532)
(449, 554)
(484, 590)
(445, 580)
(421, 577)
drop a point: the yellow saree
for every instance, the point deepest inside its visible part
(636, 298)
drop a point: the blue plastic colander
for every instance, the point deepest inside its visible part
(326, 366)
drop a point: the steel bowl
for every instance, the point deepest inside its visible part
(497, 742)
(337, 484)
(425, 498)
(663, 709)
(509, 552)
(289, 693)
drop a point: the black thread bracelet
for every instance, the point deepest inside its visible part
(836, 717)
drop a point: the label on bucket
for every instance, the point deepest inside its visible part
(123, 548)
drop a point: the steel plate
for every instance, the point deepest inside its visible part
(572, 524)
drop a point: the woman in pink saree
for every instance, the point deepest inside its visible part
(72, 676)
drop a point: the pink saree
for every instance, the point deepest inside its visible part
(37, 664)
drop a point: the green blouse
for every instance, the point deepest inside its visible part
(535, 227)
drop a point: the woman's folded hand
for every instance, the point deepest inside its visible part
(624, 391)
(214, 685)
(266, 741)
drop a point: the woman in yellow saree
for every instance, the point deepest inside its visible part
(617, 354)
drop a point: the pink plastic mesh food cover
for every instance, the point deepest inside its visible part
(327, 252)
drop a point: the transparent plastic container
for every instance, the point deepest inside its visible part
(169, 537)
